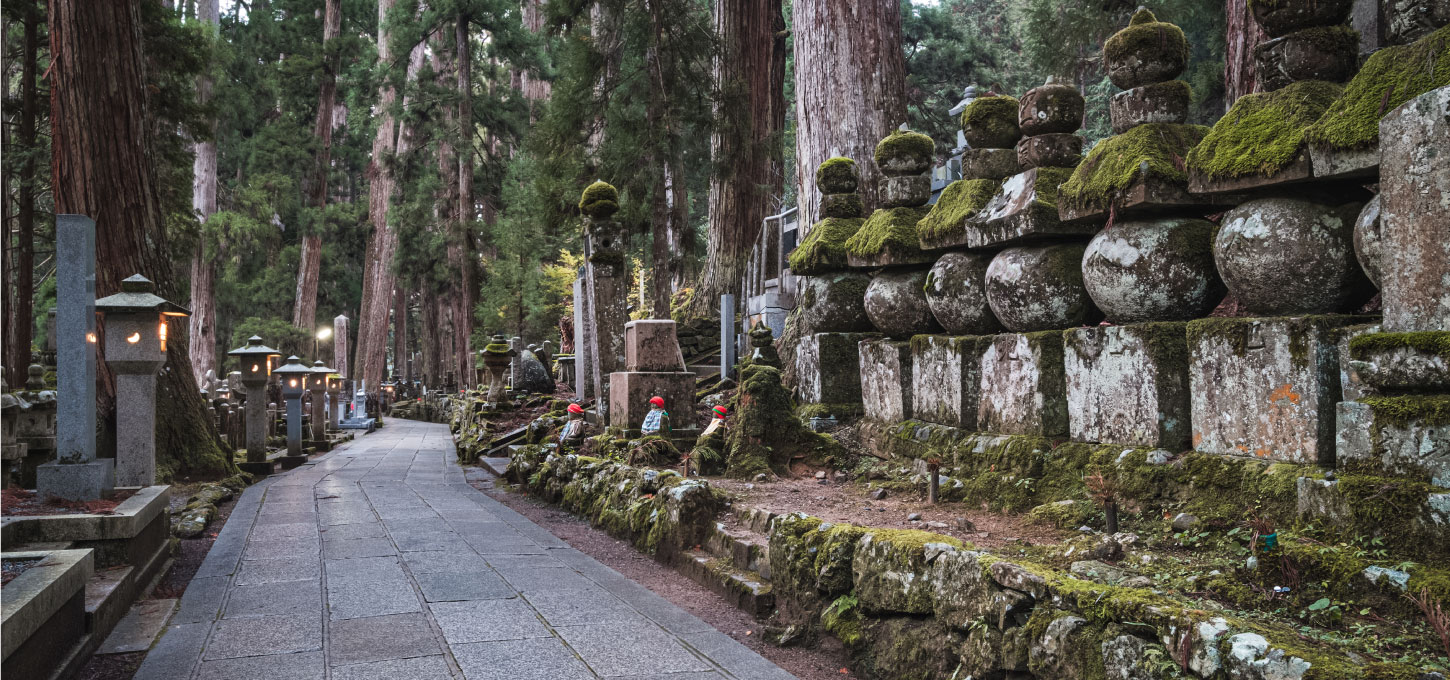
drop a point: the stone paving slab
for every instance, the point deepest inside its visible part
(139, 627)
(379, 561)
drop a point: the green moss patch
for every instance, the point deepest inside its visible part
(958, 201)
(1146, 33)
(1391, 77)
(1153, 150)
(824, 249)
(1263, 132)
(993, 119)
(1426, 342)
(888, 231)
(837, 175)
(1431, 409)
(599, 200)
(904, 145)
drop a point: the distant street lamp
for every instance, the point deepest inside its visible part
(322, 334)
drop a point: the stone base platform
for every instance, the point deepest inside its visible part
(630, 392)
(1396, 436)
(886, 379)
(828, 368)
(1266, 387)
(946, 374)
(44, 626)
(1128, 385)
(1024, 389)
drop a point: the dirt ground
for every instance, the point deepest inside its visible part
(828, 660)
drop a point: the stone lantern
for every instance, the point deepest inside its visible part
(256, 369)
(334, 397)
(136, 328)
(293, 376)
(497, 357)
(317, 385)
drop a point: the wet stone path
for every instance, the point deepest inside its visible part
(380, 561)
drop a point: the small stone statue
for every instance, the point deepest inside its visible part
(717, 423)
(572, 434)
(763, 340)
(657, 421)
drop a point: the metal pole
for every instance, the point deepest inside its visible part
(727, 335)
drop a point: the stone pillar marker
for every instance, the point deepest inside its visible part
(583, 360)
(136, 329)
(294, 377)
(339, 344)
(1414, 188)
(517, 345)
(256, 369)
(727, 335)
(76, 474)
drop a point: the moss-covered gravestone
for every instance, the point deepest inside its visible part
(888, 237)
(989, 125)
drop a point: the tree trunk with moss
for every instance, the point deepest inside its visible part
(850, 85)
(745, 147)
(98, 96)
(202, 342)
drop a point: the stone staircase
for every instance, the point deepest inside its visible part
(734, 561)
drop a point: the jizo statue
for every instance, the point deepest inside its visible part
(657, 421)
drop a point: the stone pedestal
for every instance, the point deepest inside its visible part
(946, 378)
(651, 345)
(1023, 387)
(295, 456)
(1415, 190)
(1375, 437)
(1266, 387)
(136, 433)
(630, 392)
(256, 423)
(1128, 385)
(828, 369)
(886, 380)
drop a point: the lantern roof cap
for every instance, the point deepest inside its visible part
(138, 294)
(319, 367)
(294, 365)
(254, 347)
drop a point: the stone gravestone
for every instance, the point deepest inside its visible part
(655, 367)
(583, 357)
(339, 344)
(517, 345)
(76, 473)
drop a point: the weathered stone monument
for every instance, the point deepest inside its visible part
(496, 357)
(654, 366)
(606, 287)
(340, 337)
(76, 473)
(256, 370)
(135, 330)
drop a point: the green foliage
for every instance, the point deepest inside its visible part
(1263, 132)
(1153, 150)
(1389, 78)
(275, 333)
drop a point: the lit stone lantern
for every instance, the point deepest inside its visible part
(317, 385)
(136, 328)
(256, 368)
(293, 376)
(334, 397)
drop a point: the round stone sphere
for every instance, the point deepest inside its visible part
(1147, 51)
(1040, 288)
(1054, 107)
(1283, 256)
(1367, 243)
(1153, 270)
(833, 303)
(896, 304)
(956, 291)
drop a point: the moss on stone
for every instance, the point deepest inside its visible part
(904, 145)
(1169, 90)
(1389, 78)
(840, 411)
(608, 258)
(765, 434)
(1263, 132)
(958, 201)
(847, 206)
(1151, 150)
(1435, 343)
(1426, 409)
(993, 118)
(1145, 32)
(888, 231)
(599, 200)
(837, 175)
(824, 249)
(843, 620)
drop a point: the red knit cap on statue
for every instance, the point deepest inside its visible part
(719, 411)
(657, 401)
(575, 408)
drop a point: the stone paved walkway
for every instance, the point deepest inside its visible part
(380, 561)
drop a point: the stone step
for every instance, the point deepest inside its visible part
(744, 589)
(744, 549)
(755, 519)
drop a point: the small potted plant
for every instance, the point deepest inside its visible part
(1104, 492)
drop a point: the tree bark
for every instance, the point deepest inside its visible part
(682, 237)
(657, 119)
(534, 89)
(400, 334)
(102, 167)
(22, 262)
(1242, 33)
(850, 90)
(304, 310)
(745, 147)
(467, 294)
(202, 342)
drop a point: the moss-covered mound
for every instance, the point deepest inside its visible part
(766, 435)
(1154, 150)
(1391, 77)
(991, 122)
(888, 231)
(1147, 48)
(960, 200)
(824, 249)
(1262, 133)
(600, 200)
(837, 175)
(904, 150)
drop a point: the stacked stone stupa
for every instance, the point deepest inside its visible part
(989, 127)
(831, 311)
(895, 299)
